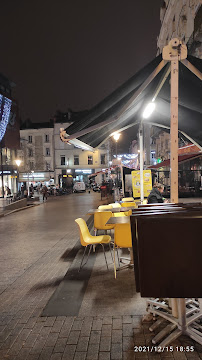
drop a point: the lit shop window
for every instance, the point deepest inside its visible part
(76, 159)
(90, 160)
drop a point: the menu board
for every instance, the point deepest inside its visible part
(147, 183)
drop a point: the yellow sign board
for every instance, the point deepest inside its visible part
(147, 183)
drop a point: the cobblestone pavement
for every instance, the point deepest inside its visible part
(31, 267)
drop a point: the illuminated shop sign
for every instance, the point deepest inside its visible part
(5, 172)
(33, 175)
(88, 171)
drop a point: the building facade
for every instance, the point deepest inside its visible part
(9, 139)
(181, 19)
(37, 153)
(46, 159)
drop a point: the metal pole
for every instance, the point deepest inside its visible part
(123, 190)
(141, 163)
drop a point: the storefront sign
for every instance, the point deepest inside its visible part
(147, 183)
(84, 171)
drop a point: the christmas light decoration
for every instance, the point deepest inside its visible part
(5, 115)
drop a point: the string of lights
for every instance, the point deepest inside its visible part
(5, 115)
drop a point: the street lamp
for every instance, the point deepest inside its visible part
(146, 114)
(148, 110)
(116, 137)
(18, 163)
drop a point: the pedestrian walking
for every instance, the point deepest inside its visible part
(45, 192)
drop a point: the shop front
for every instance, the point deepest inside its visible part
(36, 178)
(8, 181)
(82, 175)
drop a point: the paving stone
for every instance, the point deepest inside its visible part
(69, 352)
(97, 324)
(51, 339)
(57, 326)
(50, 321)
(92, 353)
(116, 352)
(32, 357)
(30, 323)
(73, 337)
(56, 356)
(86, 327)
(107, 320)
(136, 321)
(80, 355)
(117, 324)
(128, 343)
(77, 325)
(23, 354)
(127, 330)
(82, 343)
(116, 336)
(8, 342)
(105, 343)
(95, 337)
(46, 353)
(127, 319)
(104, 356)
(106, 330)
(60, 345)
(66, 327)
(129, 355)
(37, 328)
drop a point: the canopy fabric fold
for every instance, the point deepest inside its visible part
(190, 105)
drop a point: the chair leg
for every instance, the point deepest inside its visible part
(95, 231)
(110, 251)
(114, 263)
(84, 256)
(105, 255)
(117, 251)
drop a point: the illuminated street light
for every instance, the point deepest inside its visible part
(18, 162)
(148, 110)
(116, 136)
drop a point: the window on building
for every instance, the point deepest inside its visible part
(76, 159)
(31, 165)
(102, 159)
(47, 152)
(30, 139)
(47, 166)
(62, 160)
(90, 160)
(30, 152)
(46, 138)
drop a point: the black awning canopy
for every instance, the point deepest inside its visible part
(190, 105)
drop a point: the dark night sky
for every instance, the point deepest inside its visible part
(71, 54)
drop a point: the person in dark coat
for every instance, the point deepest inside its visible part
(155, 195)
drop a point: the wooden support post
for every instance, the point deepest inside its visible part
(174, 130)
(141, 163)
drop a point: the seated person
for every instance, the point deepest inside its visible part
(155, 195)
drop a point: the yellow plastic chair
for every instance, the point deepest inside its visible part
(129, 204)
(115, 205)
(127, 199)
(104, 207)
(89, 240)
(122, 239)
(100, 220)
